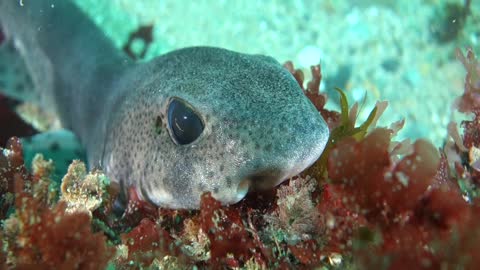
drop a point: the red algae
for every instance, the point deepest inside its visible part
(227, 234)
(137, 209)
(43, 236)
(146, 242)
(470, 100)
(51, 238)
(11, 166)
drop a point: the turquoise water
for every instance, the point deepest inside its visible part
(388, 50)
(399, 51)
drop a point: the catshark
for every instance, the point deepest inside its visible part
(194, 120)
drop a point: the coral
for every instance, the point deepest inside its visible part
(81, 191)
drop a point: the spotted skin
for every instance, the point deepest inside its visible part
(259, 128)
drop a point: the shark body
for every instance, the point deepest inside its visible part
(193, 120)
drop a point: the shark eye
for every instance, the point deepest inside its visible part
(184, 123)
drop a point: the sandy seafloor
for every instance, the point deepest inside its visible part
(384, 49)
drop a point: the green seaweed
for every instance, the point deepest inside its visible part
(345, 129)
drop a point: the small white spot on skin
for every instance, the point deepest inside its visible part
(21, 3)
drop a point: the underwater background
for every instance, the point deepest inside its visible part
(399, 51)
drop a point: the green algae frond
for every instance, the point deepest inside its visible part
(346, 128)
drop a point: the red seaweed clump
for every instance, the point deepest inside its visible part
(339, 223)
(464, 154)
(470, 100)
(230, 241)
(137, 209)
(146, 242)
(11, 167)
(40, 236)
(409, 206)
(393, 187)
(400, 199)
(50, 238)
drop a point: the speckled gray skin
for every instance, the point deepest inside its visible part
(259, 128)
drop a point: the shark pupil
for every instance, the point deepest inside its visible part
(184, 123)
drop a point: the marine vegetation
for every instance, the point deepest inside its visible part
(369, 202)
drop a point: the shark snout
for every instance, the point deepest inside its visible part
(292, 154)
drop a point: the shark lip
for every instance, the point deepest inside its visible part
(266, 179)
(243, 188)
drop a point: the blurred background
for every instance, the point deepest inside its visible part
(400, 51)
